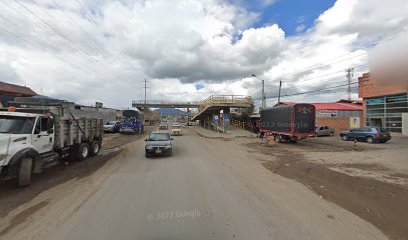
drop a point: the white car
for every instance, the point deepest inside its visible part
(176, 130)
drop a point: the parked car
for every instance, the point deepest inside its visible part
(163, 126)
(176, 130)
(111, 126)
(159, 143)
(368, 134)
(324, 131)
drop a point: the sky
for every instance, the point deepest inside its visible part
(90, 51)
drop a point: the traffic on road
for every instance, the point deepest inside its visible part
(203, 119)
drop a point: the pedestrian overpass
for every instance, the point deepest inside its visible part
(141, 104)
(209, 111)
(212, 112)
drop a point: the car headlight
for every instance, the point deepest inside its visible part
(149, 147)
(168, 146)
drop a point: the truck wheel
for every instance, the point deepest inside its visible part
(331, 134)
(82, 151)
(95, 148)
(24, 172)
(370, 140)
(278, 138)
(344, 138)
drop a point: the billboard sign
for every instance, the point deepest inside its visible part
(327, 113)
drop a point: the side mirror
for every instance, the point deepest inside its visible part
(50, 131)
(146, 139)
(171, 138)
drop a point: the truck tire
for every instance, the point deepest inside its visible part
(83, 151)
(370, 140)
(278, 138)
(24, 172)
(344, 138)
(95, 148)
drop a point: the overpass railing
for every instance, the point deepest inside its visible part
(225, 99)
(163, 102)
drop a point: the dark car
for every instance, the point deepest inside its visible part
(111, 126)
(159, 143)
(368, 134)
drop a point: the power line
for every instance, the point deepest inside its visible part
(79, 26)
(312, 91)
(89, 70)
(49, 52)
(321, 80)
(51, 27)
(62, 35)
(317, 66)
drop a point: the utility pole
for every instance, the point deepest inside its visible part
(349, 75)
(263, 91)
(144, 83)
(263, 94)
(279, 93)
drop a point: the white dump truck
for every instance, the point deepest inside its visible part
(36, 134)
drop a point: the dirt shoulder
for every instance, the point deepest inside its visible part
(354, 180)
(12, 197)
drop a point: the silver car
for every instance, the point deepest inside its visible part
(324, 131)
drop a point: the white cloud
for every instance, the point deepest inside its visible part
(175, 45)
(300, 28)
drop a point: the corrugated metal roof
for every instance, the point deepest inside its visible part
(333, 106)
(12, 89)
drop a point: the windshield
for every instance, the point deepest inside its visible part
(382, 130)
(16, 125)
(159, 137)
(127, 121)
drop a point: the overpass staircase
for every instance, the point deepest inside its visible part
(216, 103)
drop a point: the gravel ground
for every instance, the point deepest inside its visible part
(370, 181)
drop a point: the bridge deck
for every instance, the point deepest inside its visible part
(164, 104)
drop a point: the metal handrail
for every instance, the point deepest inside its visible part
(165, 102)
(223, 99)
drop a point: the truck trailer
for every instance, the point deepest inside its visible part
(288, 123)
(36, 134)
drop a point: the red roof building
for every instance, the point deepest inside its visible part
(8, 91)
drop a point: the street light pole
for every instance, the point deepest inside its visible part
(279, 94)
(263, 91)
(263, 94)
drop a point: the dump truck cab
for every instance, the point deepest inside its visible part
(24, 131)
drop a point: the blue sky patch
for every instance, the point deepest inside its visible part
(199, 86)
(293, 16)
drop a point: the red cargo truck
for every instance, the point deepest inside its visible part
(288, 123)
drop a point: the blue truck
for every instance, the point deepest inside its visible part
(132, 121)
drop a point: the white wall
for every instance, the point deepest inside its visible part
(405, 124)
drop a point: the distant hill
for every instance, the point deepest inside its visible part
(169, 111)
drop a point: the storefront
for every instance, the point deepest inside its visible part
(384, 103)
(386, 111)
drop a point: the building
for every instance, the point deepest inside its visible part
(384, 104)
(340, 116)
(9, 91)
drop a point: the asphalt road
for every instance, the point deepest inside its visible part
(195, 195)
